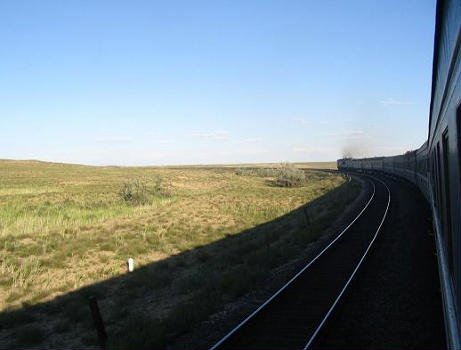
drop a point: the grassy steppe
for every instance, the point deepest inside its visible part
(63, 227)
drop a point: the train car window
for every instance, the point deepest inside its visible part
(446, 175)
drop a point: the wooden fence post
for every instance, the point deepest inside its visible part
(98, 323)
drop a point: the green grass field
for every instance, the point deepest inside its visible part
(64, 227)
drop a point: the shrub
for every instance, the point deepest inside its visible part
(240, 172)
(261, 172)
(142, 191)
(267, 172)
(286, 175)
(289, 176)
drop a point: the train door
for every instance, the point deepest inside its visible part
(434, 176)
(438, 179)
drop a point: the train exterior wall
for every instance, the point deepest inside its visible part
(444, 156)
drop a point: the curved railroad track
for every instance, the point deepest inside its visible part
(294, 315)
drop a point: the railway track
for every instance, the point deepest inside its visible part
(294, 315)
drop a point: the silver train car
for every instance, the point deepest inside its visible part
(436, 166)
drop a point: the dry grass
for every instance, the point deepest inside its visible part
(63, 227)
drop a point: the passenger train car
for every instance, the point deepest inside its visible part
(435, 166)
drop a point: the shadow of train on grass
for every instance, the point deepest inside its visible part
(156, 303)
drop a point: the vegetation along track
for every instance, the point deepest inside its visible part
(292, 317)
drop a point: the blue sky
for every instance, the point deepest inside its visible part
(186, 82)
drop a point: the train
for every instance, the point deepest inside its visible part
(436, 166)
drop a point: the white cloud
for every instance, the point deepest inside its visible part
(393, 102)
(212, 135)
(116, 139)
(164, 141)
(302, 121)
(253, 139)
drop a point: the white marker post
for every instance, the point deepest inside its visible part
(130, 264)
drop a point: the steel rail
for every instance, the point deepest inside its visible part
(235, 329)
(314, 335)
